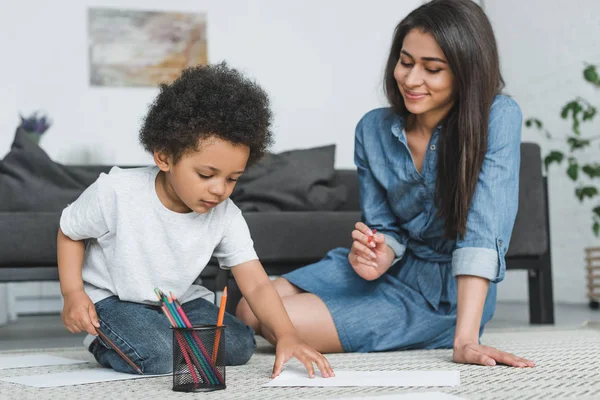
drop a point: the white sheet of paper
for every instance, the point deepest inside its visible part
(73, 378)
(407, 396)
(34, 360)
(298, 377)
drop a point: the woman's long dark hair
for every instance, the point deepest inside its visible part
(465, 35)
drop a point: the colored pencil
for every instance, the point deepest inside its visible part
(188, 324)
(370, 239)
(178, 338)
(219, 323)
(119, 352)
(197, 352)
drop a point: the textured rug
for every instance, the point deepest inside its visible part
(568, 366)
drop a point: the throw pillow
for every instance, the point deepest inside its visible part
(296, 180)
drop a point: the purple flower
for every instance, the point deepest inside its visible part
(33, 124)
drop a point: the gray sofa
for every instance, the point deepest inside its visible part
(286, 240)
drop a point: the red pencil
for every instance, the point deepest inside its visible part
(372, 236)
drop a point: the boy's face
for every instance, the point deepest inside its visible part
(201, 179)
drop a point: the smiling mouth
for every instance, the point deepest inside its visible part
(414, 95)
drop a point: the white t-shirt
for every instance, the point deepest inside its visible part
(136, 243)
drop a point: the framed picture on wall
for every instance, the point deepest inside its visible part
(143, 48)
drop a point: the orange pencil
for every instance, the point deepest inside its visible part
(219, 323)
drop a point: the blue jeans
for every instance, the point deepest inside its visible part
(143, 333)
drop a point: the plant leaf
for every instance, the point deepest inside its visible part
(586, 191)
(593, 171)
(565, 110)
(553, 156)
(589, 113)
(597, 211)
(596, 228)
(591, 75)
(573, 171)
(577, 143)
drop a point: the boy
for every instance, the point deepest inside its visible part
(137, 229)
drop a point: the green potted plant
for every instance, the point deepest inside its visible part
(580, 111)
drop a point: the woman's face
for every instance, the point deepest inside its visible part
(423, 75)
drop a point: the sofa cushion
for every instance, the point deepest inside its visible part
(348, 178)
(296, 180)
(299, 237)
(28, 239)
(31, 181)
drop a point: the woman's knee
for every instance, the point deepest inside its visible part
(245, 314)
(285, 288)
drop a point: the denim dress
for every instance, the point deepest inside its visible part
(414, 304)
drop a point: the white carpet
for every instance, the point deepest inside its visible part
(568, 366)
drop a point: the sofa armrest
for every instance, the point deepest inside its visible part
(28, 238)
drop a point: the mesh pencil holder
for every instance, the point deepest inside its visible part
(199, 358)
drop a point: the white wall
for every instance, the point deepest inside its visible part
(321, 62)
(543, 47)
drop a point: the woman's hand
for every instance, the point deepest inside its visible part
(292, 346)
(474, 353)
(371, 259)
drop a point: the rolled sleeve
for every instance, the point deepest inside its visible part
(481, 252)
(376, 212)
(398, 248)
(476, 261)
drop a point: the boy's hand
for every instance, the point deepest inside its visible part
(371, 259)
(292, 346)
(79, 313)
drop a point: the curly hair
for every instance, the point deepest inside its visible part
(208, 101)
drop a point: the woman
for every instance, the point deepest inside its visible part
(438, 174)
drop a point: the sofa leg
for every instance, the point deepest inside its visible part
(541, 302)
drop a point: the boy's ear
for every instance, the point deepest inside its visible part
(163, 161)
